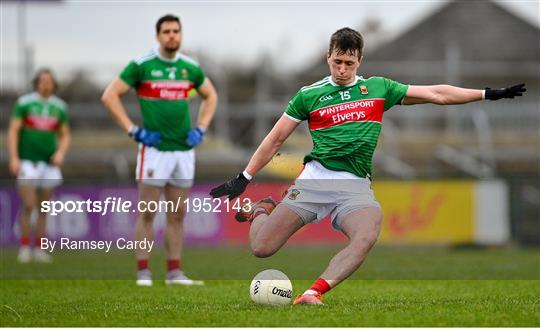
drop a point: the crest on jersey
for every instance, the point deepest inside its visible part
(150, 173)
(184, 74)
(363, 90)
(293, 194)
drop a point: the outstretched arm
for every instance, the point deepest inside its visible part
(268, 148)
(450, 95)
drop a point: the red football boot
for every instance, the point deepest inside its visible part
(247, 211)
(308, 300)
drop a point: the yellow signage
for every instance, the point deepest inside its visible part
(439, 212)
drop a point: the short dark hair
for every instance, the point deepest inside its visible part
(39, 73)
(167, 18)
(346, 40)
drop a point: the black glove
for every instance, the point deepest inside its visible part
(510, 92)
(232, 188)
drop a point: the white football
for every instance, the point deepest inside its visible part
(271, 287)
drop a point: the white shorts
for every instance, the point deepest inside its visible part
(318, 192)
(39, 174)
(159, 168)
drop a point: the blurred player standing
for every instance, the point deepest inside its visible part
(163, 80)
(344, 114)
(38, 139)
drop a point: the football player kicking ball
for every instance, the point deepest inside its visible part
(38, 139)
(344, 113)
(164, 80)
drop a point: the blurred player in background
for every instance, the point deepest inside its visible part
(38, 139)
(344, 114)
(163, 80)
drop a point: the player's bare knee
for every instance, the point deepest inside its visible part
(262, 251)
(147, 217)
(366, 241)
(181, 214)
(29, 202)
(371, 239)
(175, 219)
(27, 209)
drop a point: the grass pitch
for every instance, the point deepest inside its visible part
(395, 287)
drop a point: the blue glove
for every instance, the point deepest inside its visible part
(195, 136)
(146, 137)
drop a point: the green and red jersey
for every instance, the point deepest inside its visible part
(41, 121)
(163, 88)
(345, 121)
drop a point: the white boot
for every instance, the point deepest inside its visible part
(25, 255)
(41, 256)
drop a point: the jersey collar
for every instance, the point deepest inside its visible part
(38, 96)
(347, 85)
(168, 60)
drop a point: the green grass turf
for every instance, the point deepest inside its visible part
(395, 287)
